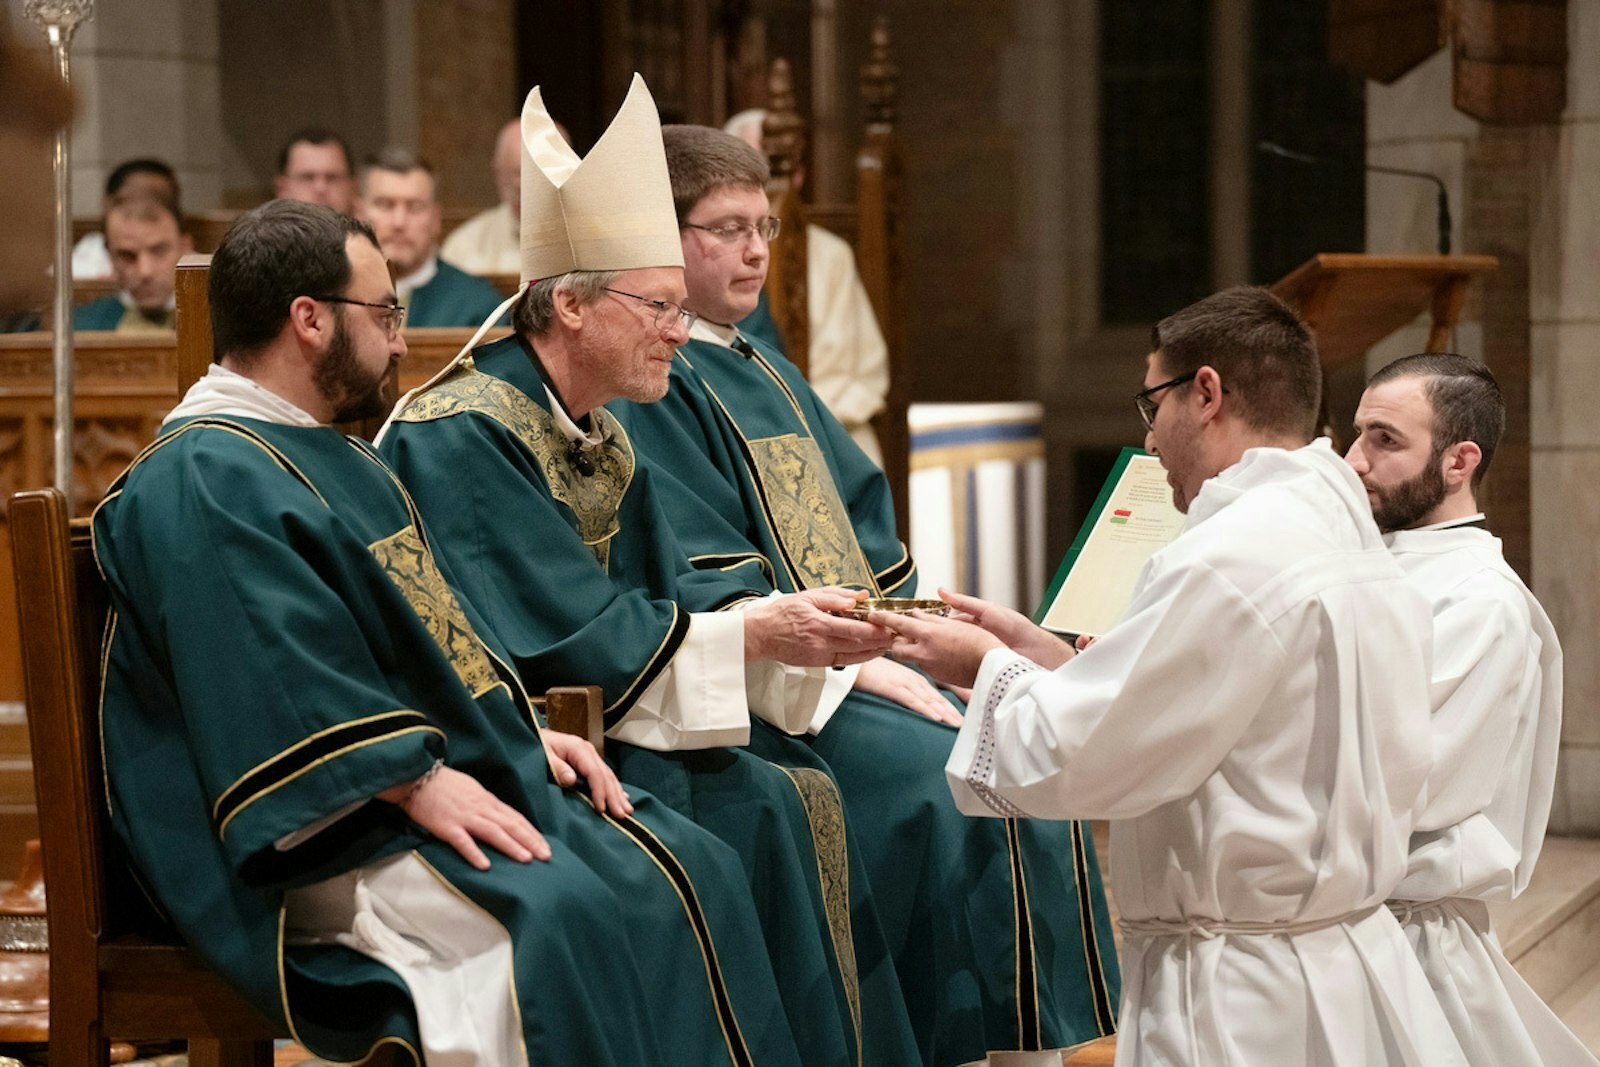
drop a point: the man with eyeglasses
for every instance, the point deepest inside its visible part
(399, 201)
(552, 529)
(324, 771)
(760, 480)
(1256, 726)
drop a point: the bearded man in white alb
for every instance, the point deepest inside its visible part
(1255, 727)
(1426, 430)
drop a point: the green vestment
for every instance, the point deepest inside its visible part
(999, 928)
(452, 297)
(563, 553)
(283, 645)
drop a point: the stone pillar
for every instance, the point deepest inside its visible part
(146, 77)
(1526, 194)
(1564, 318)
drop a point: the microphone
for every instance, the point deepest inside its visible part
(1272, 148)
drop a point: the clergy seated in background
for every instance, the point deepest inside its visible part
(399, 201)
(135, 178)
(145, 240)
(762, 483)
(847, 361)
(490, 241)
(315, 166)
(1426, 430)
(1256, 726)
(552, 531)
(321, 763)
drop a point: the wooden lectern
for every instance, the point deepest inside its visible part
(1352, 301)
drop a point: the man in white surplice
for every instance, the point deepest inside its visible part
(1255, 726)
(1426, 430)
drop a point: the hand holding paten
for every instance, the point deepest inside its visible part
(950, 650)
(456, 809)
(800, 629)
(572, 758)
(1014, 628)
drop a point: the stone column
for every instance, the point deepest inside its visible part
(147, 84)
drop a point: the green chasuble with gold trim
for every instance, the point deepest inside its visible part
(562, 551)
(283, 645)
(759, 480)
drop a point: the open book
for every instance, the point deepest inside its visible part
(1131, 520)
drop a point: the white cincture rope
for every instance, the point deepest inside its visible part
(1206, 929)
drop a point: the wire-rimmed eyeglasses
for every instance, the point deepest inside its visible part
(734, 232)
(393, 317)
(666, 312)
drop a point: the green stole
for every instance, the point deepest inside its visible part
(283, 645)
(571, 560)
(760, 480)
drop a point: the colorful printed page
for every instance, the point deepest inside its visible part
(1132, 518)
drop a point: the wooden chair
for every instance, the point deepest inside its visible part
(872, 224)
(103, 982)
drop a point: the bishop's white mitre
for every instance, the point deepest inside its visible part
(611, 210)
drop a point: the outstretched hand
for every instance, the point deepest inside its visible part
(456, 809)
(1014, 628)
(572, 757)
(799, 629)
(950, 650)
(899, 683)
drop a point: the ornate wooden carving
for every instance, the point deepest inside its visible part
(1510, 59)
(783, 137)
(879, 191)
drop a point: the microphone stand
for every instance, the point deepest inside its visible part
(1275, 149)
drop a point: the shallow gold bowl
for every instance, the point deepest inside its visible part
(899, 605)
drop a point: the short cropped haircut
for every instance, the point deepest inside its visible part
(119, 177)
(532, 314)
(314, 135)
(398, 161)
(1467, 402)
(142, 208)
(1261, 350)
(280, 250)
(701, 160)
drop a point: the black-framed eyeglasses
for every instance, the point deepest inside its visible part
(393, 317)
(734, 232)
(1147, 407)
(666, 312)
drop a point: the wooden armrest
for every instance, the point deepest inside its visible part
(576, 709)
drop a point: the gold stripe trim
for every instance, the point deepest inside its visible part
(1014, 841)
(708, 948)
(652, 662)
(398, 712)
(288, 1015)
(105, 663)
(222, 831)
(820, 798)
(1090, 936)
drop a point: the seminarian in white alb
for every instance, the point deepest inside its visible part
(666, 533)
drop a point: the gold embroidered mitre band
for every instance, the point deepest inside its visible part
(611, 210)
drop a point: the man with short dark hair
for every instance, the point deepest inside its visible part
(315, 165)
(1426, 429)
(553, 532)
(760, 480)
(1255, 726)
(317, 756)
(146, 178)
(399, 200)
(145, 239)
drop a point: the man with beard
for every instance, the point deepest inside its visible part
(552, 528)
(1426, 429)
(313, 748)
(1255, 726)
(761, 479)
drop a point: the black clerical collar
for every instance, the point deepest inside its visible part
(577, 454)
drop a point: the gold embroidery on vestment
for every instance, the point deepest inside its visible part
(825, 813)
(593, 498)
(411, 567)
(810, 516)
